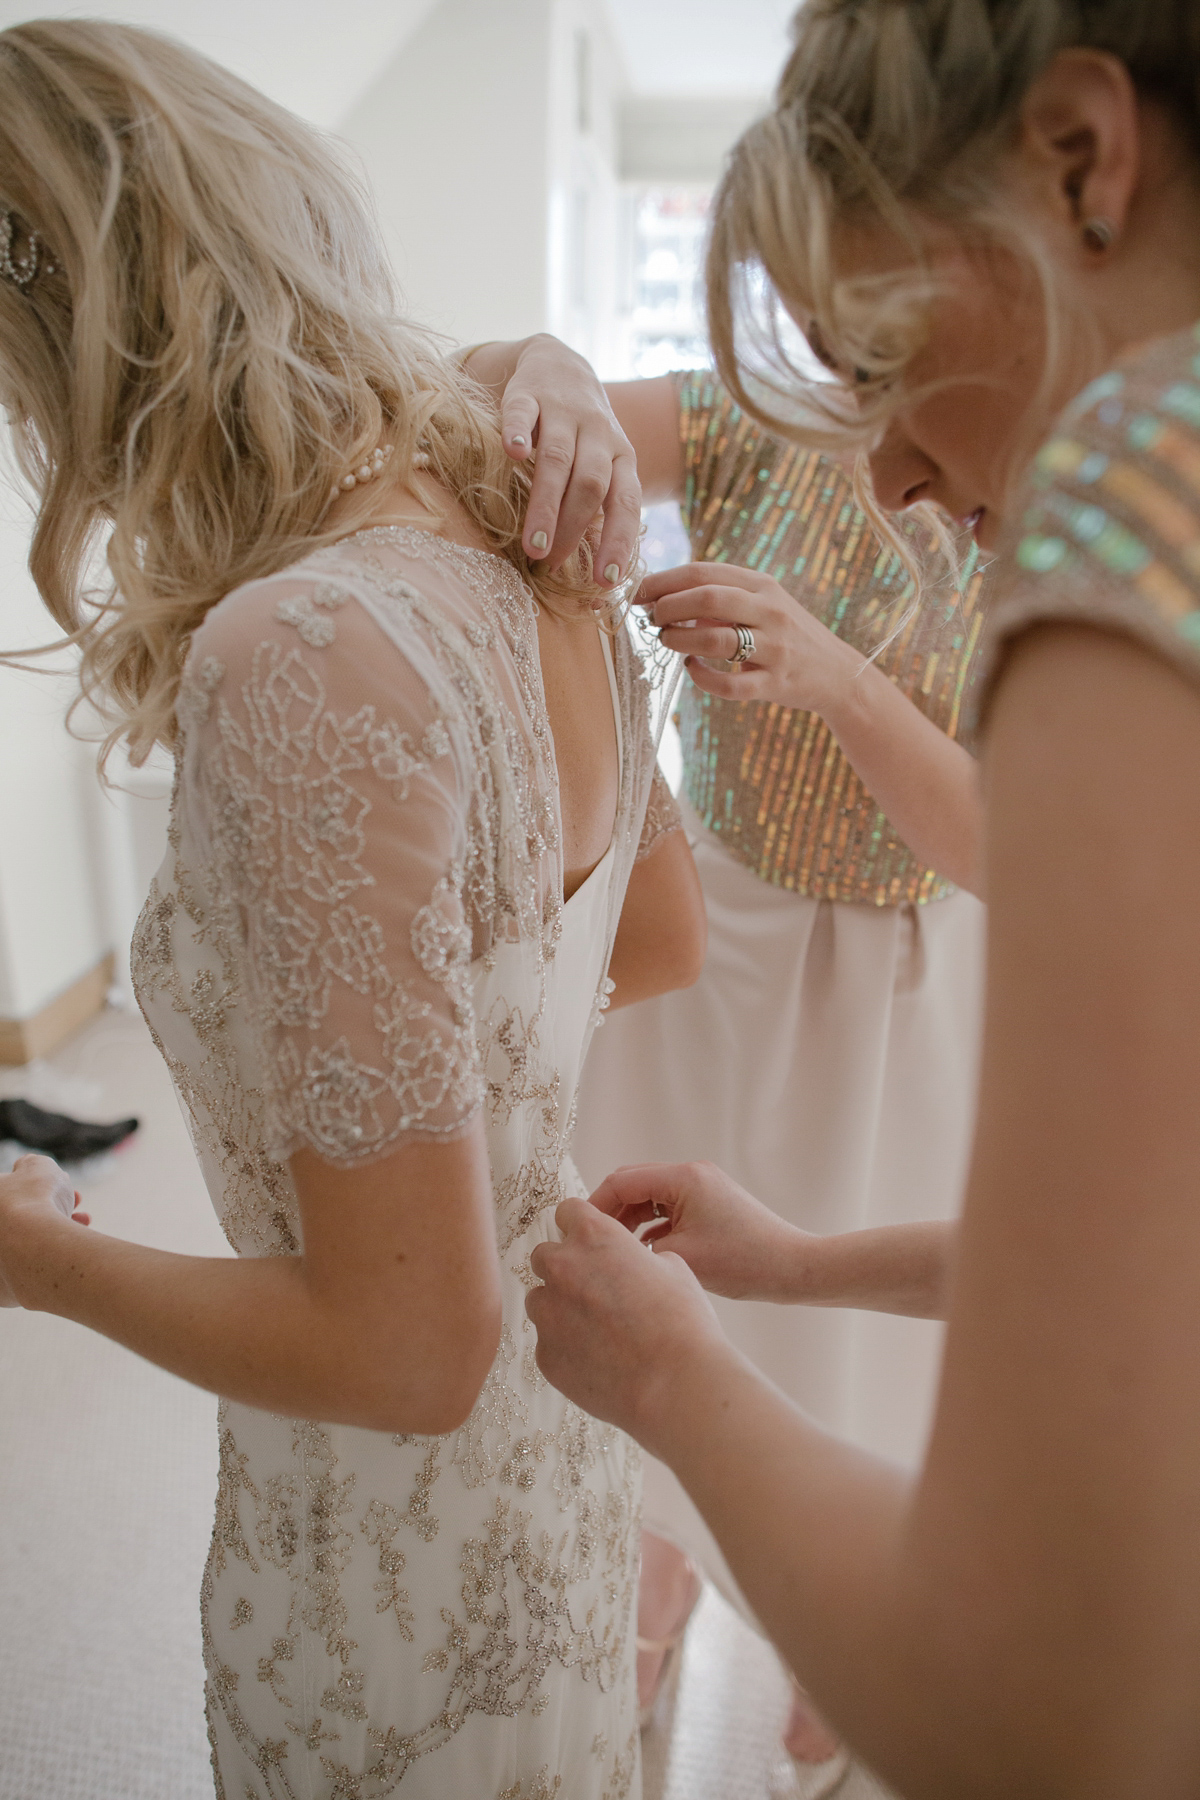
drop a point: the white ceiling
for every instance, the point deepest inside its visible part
(319, 56)
(314, 56)
(703, 46)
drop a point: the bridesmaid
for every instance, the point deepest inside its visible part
(826, 1057)
(977, 211)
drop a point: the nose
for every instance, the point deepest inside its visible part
(901, 474)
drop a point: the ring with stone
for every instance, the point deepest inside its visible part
(745, 644)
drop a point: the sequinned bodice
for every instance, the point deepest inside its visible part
(772, 783)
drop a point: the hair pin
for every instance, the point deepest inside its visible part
(22, 271)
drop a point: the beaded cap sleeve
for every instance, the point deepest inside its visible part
(1109, 533)
(662, 815)
(328, 799)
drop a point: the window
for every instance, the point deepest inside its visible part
(665, 325)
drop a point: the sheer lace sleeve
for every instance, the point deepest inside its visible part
(324, 787)
(662, 815)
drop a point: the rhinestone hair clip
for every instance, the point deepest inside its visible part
(22, 271)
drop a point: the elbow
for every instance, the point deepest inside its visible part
(452, 1405)
(456, 1369)
(686, 950)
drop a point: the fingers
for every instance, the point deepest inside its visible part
(687, 576)
(581, 1222)
(537, 1260)
(622, 521)
(572, 1218)
(552, 473)
(747, 682)
(634, 1195)
(708, 601)
(519, 412)
(703, 639)
(570, 480)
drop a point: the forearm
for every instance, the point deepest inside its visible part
(894, 1269)
(662, 936)
(927, 785)
(813, 1530)
(255, 1330)
(639, 977)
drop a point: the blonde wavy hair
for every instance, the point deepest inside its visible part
(212, 340)
(888, 111)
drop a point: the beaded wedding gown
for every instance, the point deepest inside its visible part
(358, 936)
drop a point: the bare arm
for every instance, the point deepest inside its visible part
(648, 414)
(663, 932)
(927, 785)
(389, 1319)
(737, 1247)
(1021, 1619)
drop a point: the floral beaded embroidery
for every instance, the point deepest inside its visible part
(306, 992)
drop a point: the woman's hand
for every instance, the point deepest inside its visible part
(35, 1195)
(617, 1327)
(926, 785)
(551, 402)
(797, 661)
(736, 1246)
(733, 1244)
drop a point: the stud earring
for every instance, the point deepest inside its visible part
(1098, 233)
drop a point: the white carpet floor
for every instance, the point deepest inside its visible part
(107, 1477)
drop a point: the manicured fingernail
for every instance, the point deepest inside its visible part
(517, 439)
(612, 573)
(540, 541)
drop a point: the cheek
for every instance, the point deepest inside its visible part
(974, 430)
(984, 365)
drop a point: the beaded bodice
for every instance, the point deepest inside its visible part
(770, 782)
(359, 936)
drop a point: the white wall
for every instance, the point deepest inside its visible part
(588, 80)
(309, 55)
(490, 139)
(52, 927)
(453, 134)
(682, 138)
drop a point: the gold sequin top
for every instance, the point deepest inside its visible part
(771, 782)
(1110, 532)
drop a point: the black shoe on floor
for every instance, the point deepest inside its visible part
(54, 1134)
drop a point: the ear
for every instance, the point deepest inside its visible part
(1080, 138)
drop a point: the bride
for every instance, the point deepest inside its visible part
(413, 820)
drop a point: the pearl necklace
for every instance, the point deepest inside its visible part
(366, 471)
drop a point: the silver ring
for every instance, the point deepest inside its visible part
(745, 644)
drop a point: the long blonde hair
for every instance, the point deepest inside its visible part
(888, 110)
(211, 341)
